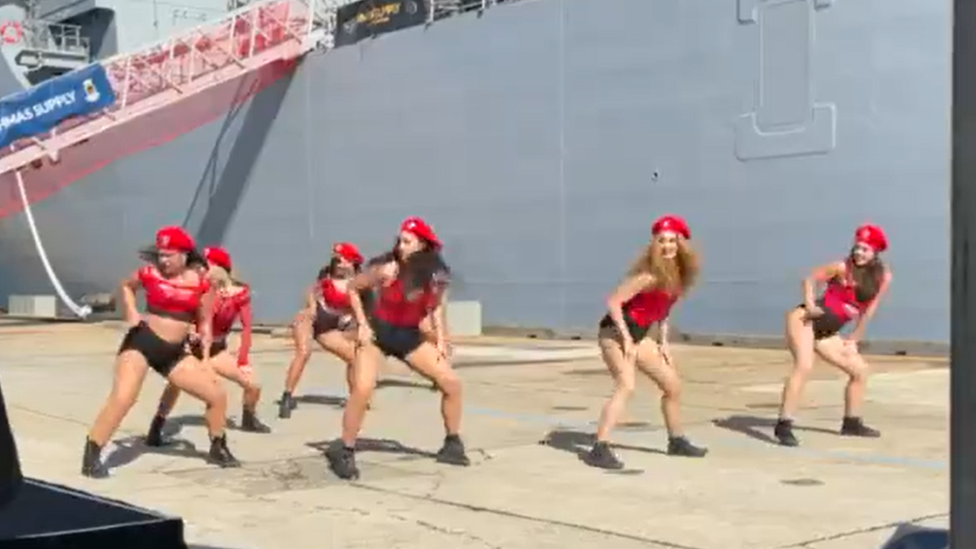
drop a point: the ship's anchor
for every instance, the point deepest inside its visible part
(82, 311)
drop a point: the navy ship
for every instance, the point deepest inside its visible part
(539, 137)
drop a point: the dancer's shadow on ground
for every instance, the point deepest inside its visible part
(760, 428)
(406, 384)
(129, 449)
(579, 444)
(336, 402)
(339, 402)
(174, 424)
(379, 445)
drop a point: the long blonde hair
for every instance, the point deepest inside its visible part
(220, 278)
(675, 276)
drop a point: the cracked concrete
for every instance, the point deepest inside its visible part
(524, 426)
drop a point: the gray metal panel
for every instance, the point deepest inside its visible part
(545, 145)
(57, 10)
(784, 120)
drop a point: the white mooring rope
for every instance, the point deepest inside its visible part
(81, 311)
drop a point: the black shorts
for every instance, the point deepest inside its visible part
(396, 341)
(161, 355)
(826, 325)
(637, 333)
(325, 321)
(216, 348)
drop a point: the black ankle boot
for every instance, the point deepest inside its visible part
(784, 433)
(601, 456)
(855, 427)
(286, 405)
(342, 460)
(155, 436)
(681, 446)
(91, 461)
(219, 453)
(251, 423)
(452, 452)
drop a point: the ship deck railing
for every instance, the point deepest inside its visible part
(163, 72)
(57, 38)
(170, 69)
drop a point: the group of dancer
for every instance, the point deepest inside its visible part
(666, 271)
(393, 305)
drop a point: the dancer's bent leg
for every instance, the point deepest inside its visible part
(428, 362)
(198, 382)
(130, 373)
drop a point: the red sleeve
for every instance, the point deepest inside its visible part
(245, 315)
(143, 273)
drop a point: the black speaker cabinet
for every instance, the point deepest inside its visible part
(11, 478)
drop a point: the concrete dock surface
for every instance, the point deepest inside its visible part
(530, 409)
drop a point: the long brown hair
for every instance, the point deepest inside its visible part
(425, 268)
(329, 269)
(867, 278)
(675, 276)
(150, 255)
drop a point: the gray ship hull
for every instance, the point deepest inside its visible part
(542, 138)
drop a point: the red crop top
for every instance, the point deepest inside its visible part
(334, 299)
(227, 309)
(649, 306)
(842, 298)
(171, 298)
(393, 307)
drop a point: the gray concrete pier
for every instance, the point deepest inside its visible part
(530, 408)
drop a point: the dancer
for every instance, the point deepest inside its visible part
(854, 287)
(327, 318)
(411, 283)
(232, 302)
(176, 295)
(663, 274)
